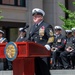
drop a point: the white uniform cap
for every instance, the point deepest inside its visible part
(73, 29)
(38, 11)
(1, 32)
(57, 27)
(68, 31)
(22, 30)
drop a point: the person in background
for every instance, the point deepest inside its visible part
(72, 54)
(41, 33)
(57, 47)
(7, 64)
(3, 40)
(65, 56)
(22, 35)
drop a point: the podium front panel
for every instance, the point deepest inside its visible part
(31, 49)
(2, 47)
(27, 49)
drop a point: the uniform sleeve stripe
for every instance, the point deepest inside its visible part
(50, 40)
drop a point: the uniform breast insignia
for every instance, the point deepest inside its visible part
(11, 51)
(41, 32)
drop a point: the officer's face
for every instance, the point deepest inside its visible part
(37, 18)
(57, 31)
(74, 33)
(22, 34)
(69, 34)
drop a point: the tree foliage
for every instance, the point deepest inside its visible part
(1, 16)
(70, 21)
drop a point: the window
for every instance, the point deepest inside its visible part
(21, 3)
(66, 5)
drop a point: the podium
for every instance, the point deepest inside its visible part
(27, 52)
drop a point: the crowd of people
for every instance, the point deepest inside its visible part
(63, 49)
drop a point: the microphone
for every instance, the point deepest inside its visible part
(26, 26)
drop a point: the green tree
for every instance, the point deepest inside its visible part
(70, 21)
(1, 16)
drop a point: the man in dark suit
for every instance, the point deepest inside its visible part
(41, 33)
(57, 47)
(65, 55)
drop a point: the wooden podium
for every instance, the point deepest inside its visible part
(27, 52)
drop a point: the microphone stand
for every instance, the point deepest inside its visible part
(19, 36)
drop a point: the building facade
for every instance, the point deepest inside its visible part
(17, 13)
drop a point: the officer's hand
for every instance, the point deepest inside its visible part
(47, 47)
(69, 49)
